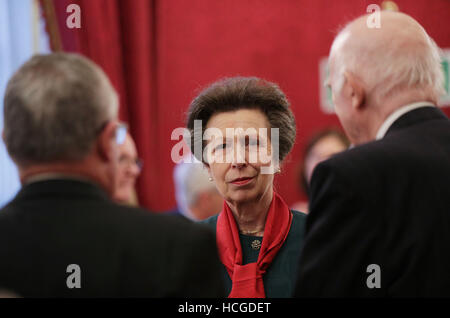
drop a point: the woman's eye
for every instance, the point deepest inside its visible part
(253, 142)
(220, 147)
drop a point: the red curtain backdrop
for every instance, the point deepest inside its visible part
(159, 53)
(120, 37)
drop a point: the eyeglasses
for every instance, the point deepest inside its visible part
(129, 162)
(121, 133)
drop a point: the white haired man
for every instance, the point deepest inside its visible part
(197, 197)
(62, 236)
(380, 212)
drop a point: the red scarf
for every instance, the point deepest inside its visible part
(247, 279)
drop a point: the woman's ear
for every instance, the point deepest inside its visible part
(208, 168)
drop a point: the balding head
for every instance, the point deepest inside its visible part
(397, 59)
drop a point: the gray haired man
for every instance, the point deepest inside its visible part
(62, 236)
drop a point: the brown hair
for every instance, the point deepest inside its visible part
(311, 143)
(231, 94)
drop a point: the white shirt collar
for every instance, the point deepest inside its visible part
(397, 114)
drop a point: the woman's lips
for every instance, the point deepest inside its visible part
(241, 181)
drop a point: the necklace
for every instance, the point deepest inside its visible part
(251, 232)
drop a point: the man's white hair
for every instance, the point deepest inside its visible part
(191, 179)
(407, 59)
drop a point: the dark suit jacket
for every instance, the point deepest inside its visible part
(385, 203)
(121, 251)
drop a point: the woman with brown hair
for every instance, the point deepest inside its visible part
(259, 238)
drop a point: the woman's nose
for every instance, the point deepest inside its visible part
(238, 165)
(239, 159)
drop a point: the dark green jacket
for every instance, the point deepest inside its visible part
(280, 277)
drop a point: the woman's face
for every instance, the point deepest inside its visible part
(321, 151)
(127, 171)
(237, 158)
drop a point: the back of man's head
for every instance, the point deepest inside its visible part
(54, 107)
(398, 55)
(375, 71)
(60, 114)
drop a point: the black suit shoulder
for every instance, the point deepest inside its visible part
(186, 252)
(384, 203)
(420, 153)
(122, 251)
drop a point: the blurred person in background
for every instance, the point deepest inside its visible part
(129, 168)
(259, 238)
(62, 131)
(197, 197)
(321, 146)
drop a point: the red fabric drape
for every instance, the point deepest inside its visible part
(119, 36)
(158, 53)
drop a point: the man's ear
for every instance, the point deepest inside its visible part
(105, 141)
(355, 90)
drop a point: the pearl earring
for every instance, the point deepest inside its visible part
(210, 179)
